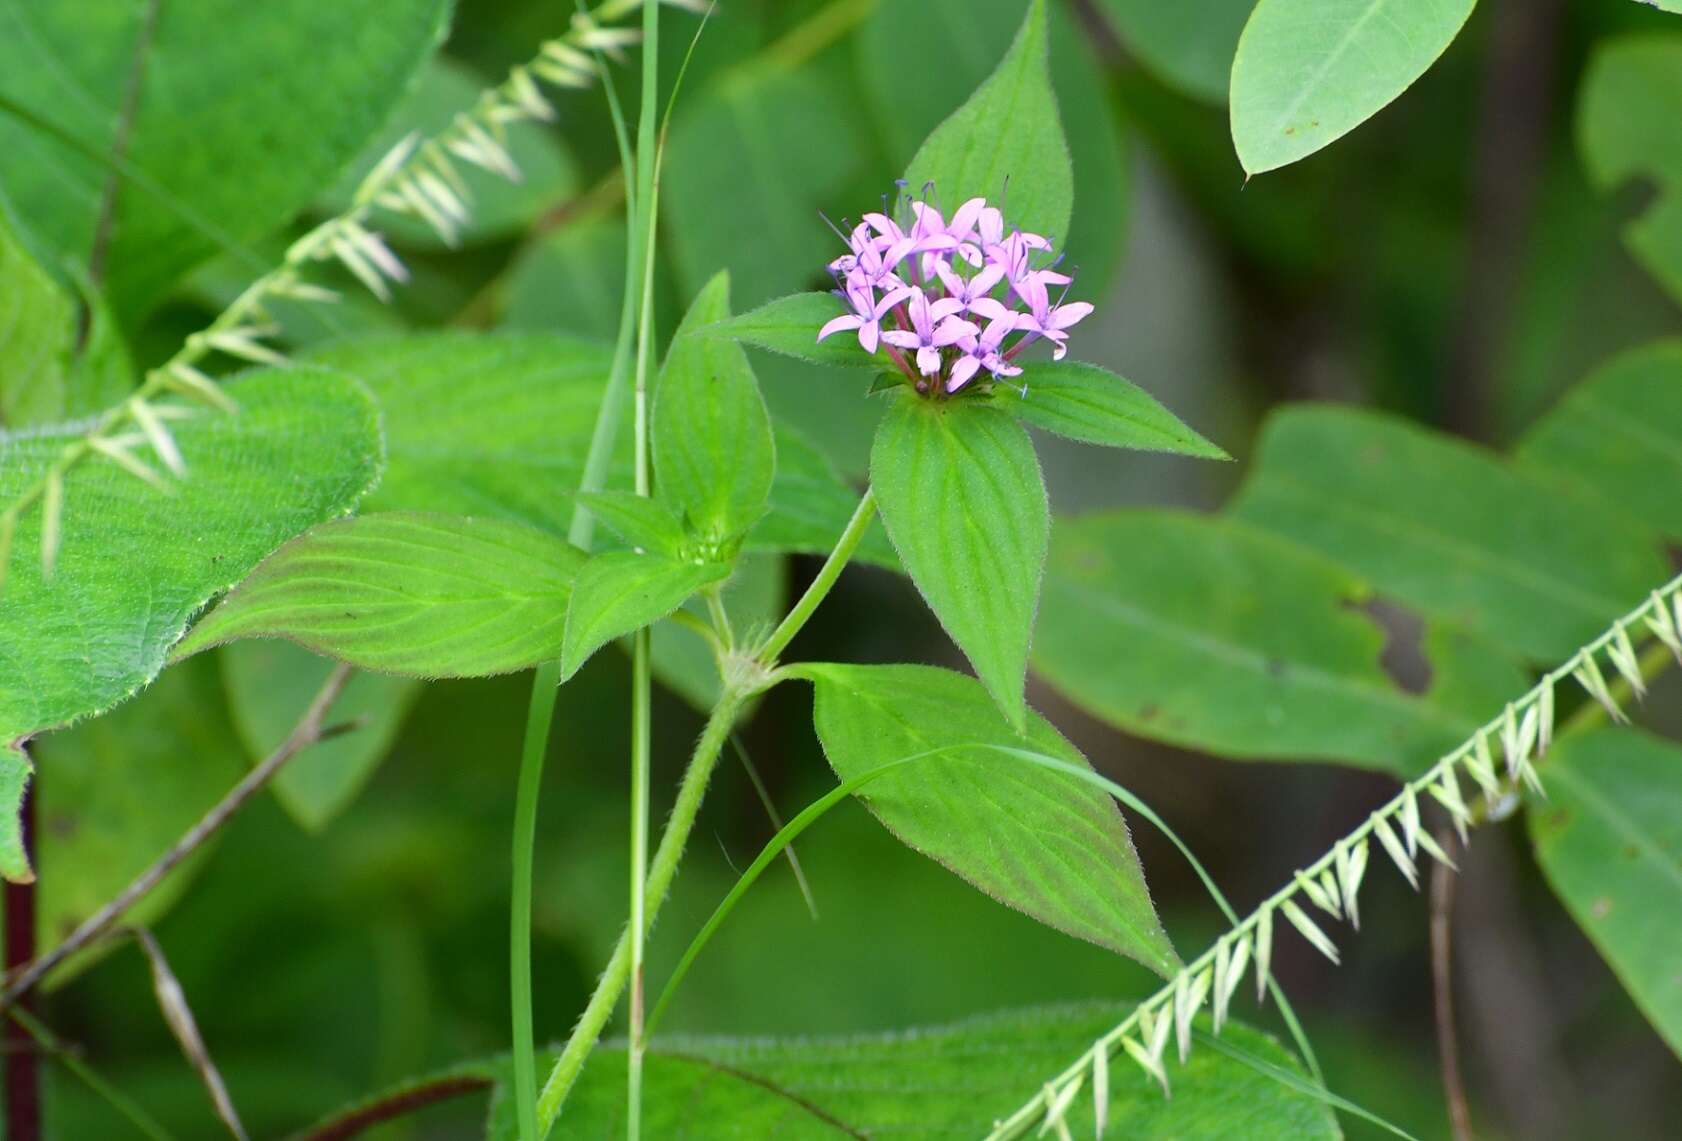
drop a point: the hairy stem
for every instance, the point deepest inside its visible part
(845, 547)
(1442, 979)
(662, 870)
(307, 732)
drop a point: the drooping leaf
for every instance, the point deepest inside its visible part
(240, 114)
(622, 591)
(134, 563)
(1206, 633)
(1045, 843)
(960, 491)
(118, 791)
(1189, 44)
(713, 452)
(1627, 111)
(973, 35)
(789, 325)
(1448, 528)
(483, 424)
(499, 208)
(810, 506)
(1307, 72)
(1009, 132)
(1092, 404)
(736, 200)
(408, 594)
(1609, 838)
(1619, 435)
(271, 683)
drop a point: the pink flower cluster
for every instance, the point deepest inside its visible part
(946, 300)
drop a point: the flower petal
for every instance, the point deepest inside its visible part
(840, 324)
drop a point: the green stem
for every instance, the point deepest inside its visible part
(821, 585)
(662, 870)
(648, 220)
(546, 679)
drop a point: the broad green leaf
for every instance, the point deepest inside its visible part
(1448, 528)
(960, 491)
(713, 452)
(1188, 45)
(640, 520)
(1009, 132)
(1206, 633)
(1308, 72)
(1626, 128)
(620, 592)
(930, 1083)
(240, 115)
(271, 683)
(499, 424)
(35, 337)
(811, 505)
(1609, 838)
(409, 594)
(1043, 842)
(1092, 404)
(482, 424)
(1619, 435)
(499, 207)
(135, 563)
(118, 791)
(973, 36)
(736, 197)
(789, 325)
(15, 771)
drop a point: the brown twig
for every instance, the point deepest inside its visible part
(172, 1001)
(307, 732)
(22, 1063)
(364, 1117)
(1442, 978)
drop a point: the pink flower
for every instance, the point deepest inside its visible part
(934, 326)
(983, 353)
(867, 314)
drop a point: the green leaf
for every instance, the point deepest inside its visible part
(1048, 844)
(1609, 838)
(1626, 127)
(118, 791)
(1008, 132)
(136, 563)
(482, 424)
(240, 115)
(1205, 633)
(733, 196)
(1092, 404)
(408, 594)
(35, 337)
(15, 771)
(271, 683)
(638, 519)
(931, 1083)
(571, 280)
(790, 325)
(1619, 435)
(961, 495)
(973, 35)
(621, 592)
(811, 505)
(1308, 72)
(1449, 528)
(1188, 45)
(499, 208)
(713, 452)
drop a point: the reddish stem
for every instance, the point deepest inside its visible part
(23, 1066)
